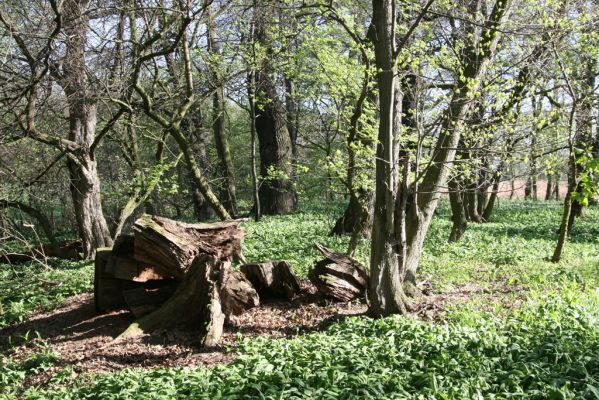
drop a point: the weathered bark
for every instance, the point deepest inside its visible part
(277, 194)
(173, 245)
(272, 278)
(338, 276)
(82, 104)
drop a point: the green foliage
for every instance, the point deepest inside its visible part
(537, 340)
(546, 350)
(28, 287)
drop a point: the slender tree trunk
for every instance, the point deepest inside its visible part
(458, 215)
(549, 189)
(255, 182)
(218, 124)
(419, 215)
(84, 179)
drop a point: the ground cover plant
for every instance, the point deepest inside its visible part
(504, 322)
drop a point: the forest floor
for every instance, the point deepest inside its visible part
(495, 318)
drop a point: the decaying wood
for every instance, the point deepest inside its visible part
(174, 245)
(338, 276)
(238, 294)
(132, 270)
(108, 291)
(272, 278)
(66, 250)
(197, 301)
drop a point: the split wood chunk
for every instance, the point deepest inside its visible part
(238, 294)
(132, 270)
(174, 245)
(272, 278)
(108, 291)
(196, 302)
(338, 276)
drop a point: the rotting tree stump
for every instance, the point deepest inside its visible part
(174, 274)
(272, 278)
(338, 276)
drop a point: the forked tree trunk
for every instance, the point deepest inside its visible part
(82, 103)
(419, 215)
(385, 292)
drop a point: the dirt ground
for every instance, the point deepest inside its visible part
(85, 339)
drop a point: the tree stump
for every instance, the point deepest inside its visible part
(272, 278)
(338, 276)
(198, 258)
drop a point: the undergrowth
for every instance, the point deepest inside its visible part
(536, 337)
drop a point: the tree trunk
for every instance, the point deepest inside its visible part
(385, 292)
(458, 216)
(255, 182)
(218, 122)
(549, 189)
(420, 213)
(277, 194)
(82, 103)
(493, 197)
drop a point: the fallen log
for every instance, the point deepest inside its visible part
(66, 250)
(173, 245)
(272, 278)
(338, 276)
